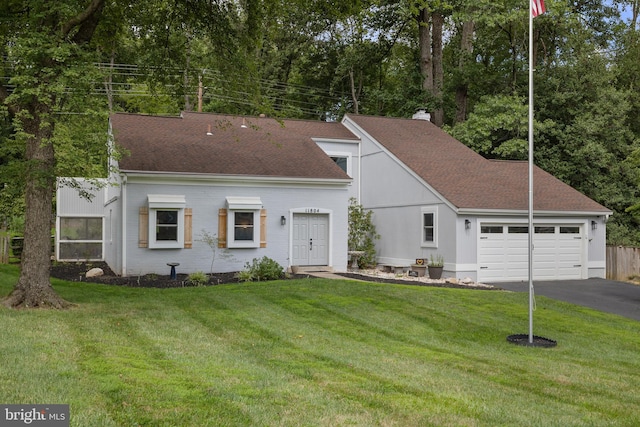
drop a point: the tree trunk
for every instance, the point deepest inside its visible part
(108, 84)
(34, 288)
(424, 35)
(187, 98)
(462, 89)
(354, 95)
(438, 73)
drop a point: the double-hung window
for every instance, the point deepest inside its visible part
(429, 226)
(243, 222)
(166, 221)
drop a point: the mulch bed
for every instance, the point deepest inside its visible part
(75, 272)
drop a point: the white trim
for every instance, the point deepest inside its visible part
(166, 244)
(317, 140)
(344, 154)
(163, 178)
(123, 225)
(312, 211)
(231, 226)
(244, 203)
(166, 201)
(523, 212)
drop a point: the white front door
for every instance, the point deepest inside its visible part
(310, 239)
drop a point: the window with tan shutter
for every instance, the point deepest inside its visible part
(242, 229)
(165, 223)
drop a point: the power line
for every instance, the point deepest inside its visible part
(131, 80)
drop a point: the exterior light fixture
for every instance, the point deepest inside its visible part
(594, 225)
(467, 224)
(283, 220)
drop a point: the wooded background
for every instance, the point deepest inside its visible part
(466, 61)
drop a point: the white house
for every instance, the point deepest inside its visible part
(281, 188)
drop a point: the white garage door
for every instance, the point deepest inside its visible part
(557, 254)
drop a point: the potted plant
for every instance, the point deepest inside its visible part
(436, 264)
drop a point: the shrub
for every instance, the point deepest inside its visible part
(261, 269)
(244, 276)
(362, 233)
(198, 278)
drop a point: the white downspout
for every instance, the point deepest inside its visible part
(123, 224)
(359, 171)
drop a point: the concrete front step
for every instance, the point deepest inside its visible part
(314, 269)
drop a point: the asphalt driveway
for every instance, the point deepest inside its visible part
(605, 295)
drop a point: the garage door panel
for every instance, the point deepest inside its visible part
(557, 253)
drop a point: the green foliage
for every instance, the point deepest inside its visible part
(245, 275)
(261, 269)
(198, 278)
(497, 128)
(436, 261)
(362, 234)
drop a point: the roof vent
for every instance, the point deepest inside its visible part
(421, 114)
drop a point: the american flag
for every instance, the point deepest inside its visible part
(537, 7)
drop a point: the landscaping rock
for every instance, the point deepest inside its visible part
(94, 272)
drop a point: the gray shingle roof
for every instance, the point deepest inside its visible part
(465, 178)
(265, 147)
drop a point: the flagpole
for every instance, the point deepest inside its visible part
(531, 230)
(535, 9)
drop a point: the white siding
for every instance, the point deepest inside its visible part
(70, 203)
(396, 196)
(349, 149)
(206, 199)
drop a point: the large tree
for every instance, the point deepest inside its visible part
(44, 43)
(49, 74)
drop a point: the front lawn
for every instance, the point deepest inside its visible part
(318, 352)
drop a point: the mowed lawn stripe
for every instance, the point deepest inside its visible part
(177, 363)
(319, 352)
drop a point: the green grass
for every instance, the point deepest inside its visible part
(318, 353)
